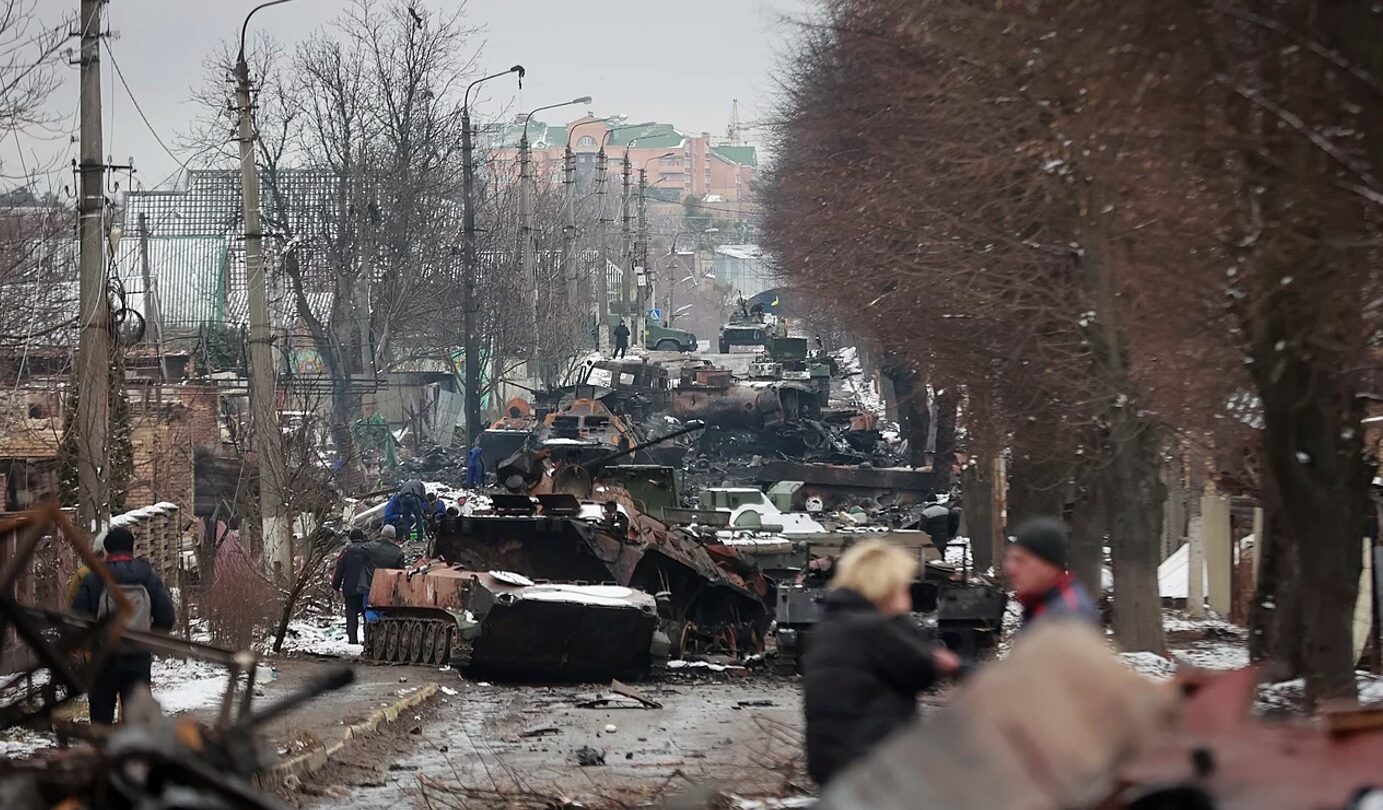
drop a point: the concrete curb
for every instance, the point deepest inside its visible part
(315, 760)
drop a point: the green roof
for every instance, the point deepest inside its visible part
(656, 136)
(540, 135)
(742, 155)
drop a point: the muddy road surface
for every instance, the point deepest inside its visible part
(479, 745)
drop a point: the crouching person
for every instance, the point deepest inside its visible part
(866, 661)
(126, 669)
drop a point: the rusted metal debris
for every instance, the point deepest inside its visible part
(149, 760)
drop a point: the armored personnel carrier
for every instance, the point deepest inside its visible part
(567, 576)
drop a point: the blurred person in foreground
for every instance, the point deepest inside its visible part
(866, 661)
(152, 609)
(1036, 568)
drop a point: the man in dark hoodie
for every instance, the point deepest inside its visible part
(354, 572)
(125, 669)
(867, 661)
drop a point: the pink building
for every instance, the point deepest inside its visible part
(677, 165)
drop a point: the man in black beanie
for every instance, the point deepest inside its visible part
(153, 610)
(1035, 566)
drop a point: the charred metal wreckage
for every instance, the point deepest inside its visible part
(567, 576)
(593, 563)
(148, 761)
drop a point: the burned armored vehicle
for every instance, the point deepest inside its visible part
(506, 625)
(595, 563)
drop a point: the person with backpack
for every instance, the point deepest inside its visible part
(125, 669)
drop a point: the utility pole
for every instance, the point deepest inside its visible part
(626, 278)
(642, 254)
(92, 382)
(153, 316)
(526, 270)
(275, 521)
(569, 271)
(543, 364)
(469, 270)
(602, 275)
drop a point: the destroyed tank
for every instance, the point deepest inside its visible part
(632, 591)
(506, 625)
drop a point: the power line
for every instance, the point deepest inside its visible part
(140, 110)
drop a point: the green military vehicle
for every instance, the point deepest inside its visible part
(666, 339)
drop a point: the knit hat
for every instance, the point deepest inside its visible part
(387, 532)
(1043, 537)
(357, 534)
(119, 540)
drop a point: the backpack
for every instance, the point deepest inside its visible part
(142, 619)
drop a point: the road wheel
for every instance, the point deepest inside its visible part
(668, 345)
(429, 642)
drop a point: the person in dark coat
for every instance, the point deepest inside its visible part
(621, 340)
(124, 670)
(866, 661)
(385, 552)
(354, 572)
(1036, 568)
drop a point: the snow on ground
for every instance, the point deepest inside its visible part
(860, 388)
(320, 635)
(21, 742)
(183, 685)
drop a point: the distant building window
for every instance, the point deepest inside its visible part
(669, 161)
(586, 140)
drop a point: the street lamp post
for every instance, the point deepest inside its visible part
(275, 522)
(569, 268)
(603, 277)
(526, 245)
(469, 272)
(641, 245)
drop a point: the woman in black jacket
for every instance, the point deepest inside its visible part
(866, 662)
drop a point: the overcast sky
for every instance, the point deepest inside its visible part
(680, 63)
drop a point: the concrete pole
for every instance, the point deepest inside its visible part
(569, 271)
(469, 270)
(602, 275)
(636, 339)
(152, 316)
(268, 441)
(626, 279)
(1195, 560)
(1218, 549)
(526, 269)
(92, 382)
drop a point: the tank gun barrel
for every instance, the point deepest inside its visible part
(600, 461)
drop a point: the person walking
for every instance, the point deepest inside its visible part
(475, 466)
(126, 668)
(1036, 568)
(867, 661)
(354, 573)
(621, 340)
(384, 552)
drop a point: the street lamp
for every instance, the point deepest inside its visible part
(468, 262)
(569, 264)
(526, 217)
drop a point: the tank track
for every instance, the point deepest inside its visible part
(409, 640)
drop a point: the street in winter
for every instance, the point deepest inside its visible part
(769, 404)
